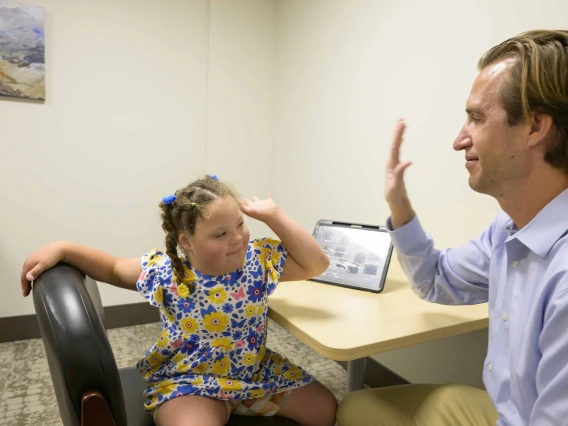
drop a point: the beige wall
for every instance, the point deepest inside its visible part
(142, 97)
(346, 70)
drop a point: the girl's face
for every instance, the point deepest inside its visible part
(220, 241)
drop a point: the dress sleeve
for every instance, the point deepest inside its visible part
(150, 282)
(272, 255)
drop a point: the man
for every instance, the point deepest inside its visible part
(515, 141)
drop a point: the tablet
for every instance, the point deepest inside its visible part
(359, 254)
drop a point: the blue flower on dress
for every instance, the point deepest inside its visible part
(186, 305)
(256, 291)
(256, 273)
(188, 347)
(184, 390)
(168, 297)
(237, 335)
(252, 340)
(227, 308)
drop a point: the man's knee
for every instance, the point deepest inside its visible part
(404, 405)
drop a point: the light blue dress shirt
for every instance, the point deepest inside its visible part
(523, 274)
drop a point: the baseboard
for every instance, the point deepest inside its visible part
(377, 375)
(24, 327)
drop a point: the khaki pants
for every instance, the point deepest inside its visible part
(417, 405)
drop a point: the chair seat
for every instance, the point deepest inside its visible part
(133, 386)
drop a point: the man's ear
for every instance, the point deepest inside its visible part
(184, 242)
(542, 129)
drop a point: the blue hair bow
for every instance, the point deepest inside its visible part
(214, 177)
(169, 199)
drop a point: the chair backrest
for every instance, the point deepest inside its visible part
(78, 352)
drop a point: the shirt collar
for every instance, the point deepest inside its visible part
(547, 227)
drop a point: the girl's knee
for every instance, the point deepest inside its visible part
(324, 407)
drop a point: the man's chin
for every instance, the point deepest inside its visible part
(480, 186)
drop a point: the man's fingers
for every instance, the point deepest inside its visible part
(400, 168)
(255, 199)
(397, 140)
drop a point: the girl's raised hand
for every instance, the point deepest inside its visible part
(262, 210)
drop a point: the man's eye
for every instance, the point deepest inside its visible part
(220, 235)
(241, 224)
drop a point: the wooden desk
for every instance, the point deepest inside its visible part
(349, 325)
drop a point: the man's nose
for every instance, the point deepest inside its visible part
(463, 139)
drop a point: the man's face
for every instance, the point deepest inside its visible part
(496, 153)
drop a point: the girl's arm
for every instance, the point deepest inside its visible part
(306, 258)
(101, 266)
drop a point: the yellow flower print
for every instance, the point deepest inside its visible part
(229, 385)
(278, 370)
(248, 358)
(183, 290)
(215, 322)
(189, 325)
(221, 368)
(222, 341)
(188, 275)
(260, 309)
(155, 358)
(202, 368)
(272, 257)
(250, 310)
(277, 358)
(293, 374)
(198, 381)
(165, 384)
(260, 354)
(154, 400)
(182, 366)
(163, 340)
(257, 244)
(158, 295)
(272, 273)
(256, 394)
(178, 357)
(217, 295)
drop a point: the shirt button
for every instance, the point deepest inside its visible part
(516, 264)
(490, 367)
(505, 317)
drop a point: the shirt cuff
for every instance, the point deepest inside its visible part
(405, 238)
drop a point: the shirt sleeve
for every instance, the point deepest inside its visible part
(272, 255)
(550, 407)
(149, 283)
(458, 276)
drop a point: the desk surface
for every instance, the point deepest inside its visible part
(344, 324)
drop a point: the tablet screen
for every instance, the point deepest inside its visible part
(359, 255)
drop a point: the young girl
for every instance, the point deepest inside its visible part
(211, 285)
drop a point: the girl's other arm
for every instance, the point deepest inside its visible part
(101, 266)
(306, 258)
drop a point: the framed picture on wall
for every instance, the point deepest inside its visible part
(22, 51)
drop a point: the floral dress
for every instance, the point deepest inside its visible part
(213, 335)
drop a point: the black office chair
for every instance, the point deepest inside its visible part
(89, 387)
